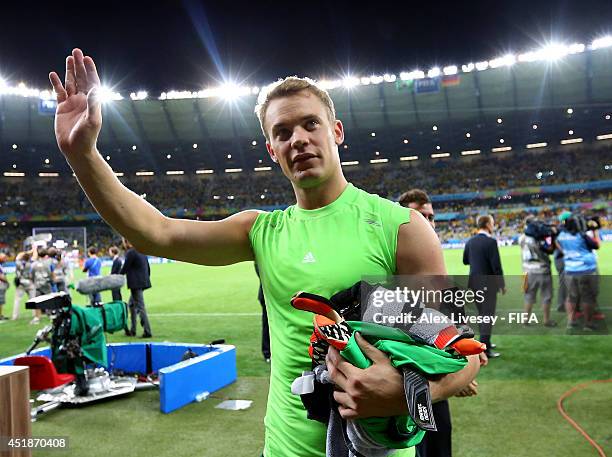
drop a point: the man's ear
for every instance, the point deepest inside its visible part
(271, 152)
(338, 132)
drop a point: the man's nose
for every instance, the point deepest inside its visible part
(299, 138)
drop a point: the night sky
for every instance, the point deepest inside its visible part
(190, 45)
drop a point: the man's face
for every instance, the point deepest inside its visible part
(492, 225)
(303, 140)
(426, 210)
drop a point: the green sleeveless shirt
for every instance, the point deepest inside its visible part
(321, 251)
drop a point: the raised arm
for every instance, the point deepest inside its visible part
(78, 121)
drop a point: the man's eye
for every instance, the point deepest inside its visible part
(283, 134)
(312, 123)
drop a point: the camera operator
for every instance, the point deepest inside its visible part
(560, 265)
(42, 274)
(24, 283)
(4, 285)
(60, 270)
(580, 267)
(537, 244)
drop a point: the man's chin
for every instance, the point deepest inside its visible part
(307, 178)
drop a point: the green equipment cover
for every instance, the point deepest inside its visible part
(88, 325)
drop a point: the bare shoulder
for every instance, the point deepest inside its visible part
(418, 248)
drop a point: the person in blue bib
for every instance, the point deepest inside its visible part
(578, 239)
(92, 267)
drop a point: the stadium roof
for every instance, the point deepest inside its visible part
(454, 110)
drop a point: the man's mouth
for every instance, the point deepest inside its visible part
(303, 157)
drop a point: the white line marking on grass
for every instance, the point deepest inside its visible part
(204, 314)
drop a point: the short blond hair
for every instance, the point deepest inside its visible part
(291, 85)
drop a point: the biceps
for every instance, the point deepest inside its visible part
(418, 249)
(209, 242)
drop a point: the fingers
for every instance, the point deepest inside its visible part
(345, 400)
(70, 80)
(79, 70)
(334, 362)
(347, 413)
(92, 73)
(375, 355)
(58, 88)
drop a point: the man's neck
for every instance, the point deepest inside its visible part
(484, 232)
(321, 195)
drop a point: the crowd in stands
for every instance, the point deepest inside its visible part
(216, 195)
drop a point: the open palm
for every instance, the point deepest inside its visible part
(78, 117)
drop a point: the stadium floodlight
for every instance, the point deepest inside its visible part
(233, 170)
(607, 117)
(499, 120)
(107, 95)
(204, 172)
(168, 156)
(389, 78)
(328, 85)
(194, 145)
(606, 136)
(480, 66)
(373, 134)
(365, 81)
(502, 149)
(262, 196)
(470, 152)
(350, 81)
(175, 172)
(231, 91)
(108, 158)
(434, 72)
(350, 163)
(230, 197)
(13, 174)
(537, 145)
(571, 132)
(3, 83)
(379, 160)
(43, 174)
(119, 174)
(570, 111)
(145, 173)
(14, 166)
(534, 126)
(254, 143)
(603, 42)
(14, 146)
(505, 61)
(216, 197)
(375, 79)
(134, 147)
(254, 90)
(450, 70)
(468, 67)
(501, 140)
(141, 95)
(406, 141)
(440, 155)
(435, 128)
(47, 161)
(438, 148)
(376, 153)
(571, 141)
(408, 158)
(262, 168)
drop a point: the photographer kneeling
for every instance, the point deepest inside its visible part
(580, 267)
(537, 244)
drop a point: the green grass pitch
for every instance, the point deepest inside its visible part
(513, 415)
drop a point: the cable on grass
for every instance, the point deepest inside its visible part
(572, 422)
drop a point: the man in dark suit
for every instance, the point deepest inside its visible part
(138, 273)
(116, 270)
(482, 255)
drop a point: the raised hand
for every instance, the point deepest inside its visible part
(78, 117)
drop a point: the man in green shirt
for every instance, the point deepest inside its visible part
(334, 235)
